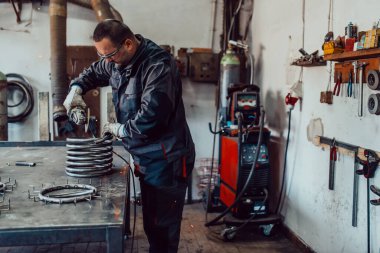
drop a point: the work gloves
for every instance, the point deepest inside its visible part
(75, 105)
(116, 129)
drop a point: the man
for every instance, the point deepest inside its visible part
(147, 94)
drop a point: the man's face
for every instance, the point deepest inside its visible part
(113, 53)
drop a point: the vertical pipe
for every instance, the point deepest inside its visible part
(213, 27)
(59, 80)
(3, 108)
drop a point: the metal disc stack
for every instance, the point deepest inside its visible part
(89, 157)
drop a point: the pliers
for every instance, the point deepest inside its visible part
(337, 85)
(349, 86)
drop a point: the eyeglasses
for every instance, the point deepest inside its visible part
(107, 56)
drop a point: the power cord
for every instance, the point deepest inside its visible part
(251, 173)
(134, 191)
(134, 203)
(285, 160)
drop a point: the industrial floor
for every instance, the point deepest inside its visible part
(195, 238)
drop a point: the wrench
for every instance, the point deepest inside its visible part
(354, 92)
(360, 109)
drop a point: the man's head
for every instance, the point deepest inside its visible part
(115, 42)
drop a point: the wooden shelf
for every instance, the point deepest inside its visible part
(308, 64)
(353, 55)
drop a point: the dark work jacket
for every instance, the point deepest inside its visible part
(147, 94)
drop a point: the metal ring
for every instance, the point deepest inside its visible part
(88, 192)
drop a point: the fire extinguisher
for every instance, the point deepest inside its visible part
(229, 74)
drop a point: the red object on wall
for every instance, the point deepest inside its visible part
(289, 100)
(349, 45)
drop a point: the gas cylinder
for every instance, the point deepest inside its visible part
(229, 74)
(3, 108)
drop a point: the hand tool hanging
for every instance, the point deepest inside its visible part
(332, 165)
(351, 149)
(375, 190)
(362, 65)
(368, 171)
(355, 90)
(355, 192)
(349, 85)
(338, 84)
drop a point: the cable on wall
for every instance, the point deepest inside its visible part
(20, 97)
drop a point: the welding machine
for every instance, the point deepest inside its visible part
(238, 146)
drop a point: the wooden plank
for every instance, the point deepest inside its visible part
(365, 53)
(343, 151)
(43, 115)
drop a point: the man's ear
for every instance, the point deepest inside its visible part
(128, 43)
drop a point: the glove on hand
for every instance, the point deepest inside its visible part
(116, 129)
(74, 99)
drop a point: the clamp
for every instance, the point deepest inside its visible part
(375, 190)
(370, 164)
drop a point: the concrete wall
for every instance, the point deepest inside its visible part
(321, 217)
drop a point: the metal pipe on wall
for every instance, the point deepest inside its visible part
(3, 108)
(58, 66)
(59, 80)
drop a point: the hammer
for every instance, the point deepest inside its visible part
(355, 64)
(362, 65)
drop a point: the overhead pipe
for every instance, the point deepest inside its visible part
(87, 4)
(59, 79)
(83, 3)
(3, 108)
(102, 9)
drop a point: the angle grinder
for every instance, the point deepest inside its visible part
(78, 115)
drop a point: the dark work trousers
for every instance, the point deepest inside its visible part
(162, 208)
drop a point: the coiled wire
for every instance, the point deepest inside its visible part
(89, 157)
(19, 85)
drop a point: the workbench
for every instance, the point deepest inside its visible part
(33, 222)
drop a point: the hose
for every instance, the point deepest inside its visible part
(20, 83)
(285, 160)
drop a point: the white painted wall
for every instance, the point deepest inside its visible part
(322, 218)
(26, 49)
